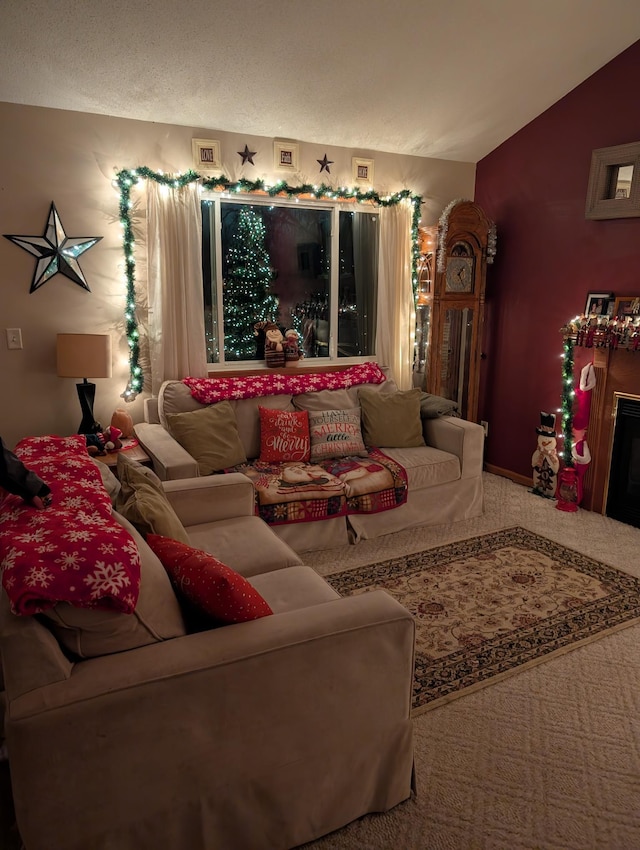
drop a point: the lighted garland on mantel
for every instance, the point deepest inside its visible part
(129, 177)
(568, 394)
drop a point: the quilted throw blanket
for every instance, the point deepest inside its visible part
(73, 551)
(211, 390)
(302, 492)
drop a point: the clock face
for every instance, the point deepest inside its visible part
(459, 274)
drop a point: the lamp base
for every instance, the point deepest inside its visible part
(87, 394)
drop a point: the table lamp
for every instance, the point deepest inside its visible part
(85, 356)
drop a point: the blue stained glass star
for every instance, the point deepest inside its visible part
(56, 252)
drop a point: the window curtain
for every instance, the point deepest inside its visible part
(365, 261)
(176, 304)
(395, 326)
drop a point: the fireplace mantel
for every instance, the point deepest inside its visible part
(617, 371)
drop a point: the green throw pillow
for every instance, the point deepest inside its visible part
(210, 436)
(391, 420)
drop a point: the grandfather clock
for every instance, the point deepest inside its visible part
(453, 302)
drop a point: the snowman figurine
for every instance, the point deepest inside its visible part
(545, 461)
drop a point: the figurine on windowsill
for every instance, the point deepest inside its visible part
(274, 345)
(292, 350)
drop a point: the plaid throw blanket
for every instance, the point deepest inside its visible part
(303, 492)
(73, 551)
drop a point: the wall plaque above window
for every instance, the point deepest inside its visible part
(614, 182)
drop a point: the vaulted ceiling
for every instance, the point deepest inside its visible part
(450, 79)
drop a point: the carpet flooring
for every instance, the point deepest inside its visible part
(489, 606)
(548, 759)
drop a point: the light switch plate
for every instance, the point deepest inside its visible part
(14, 338)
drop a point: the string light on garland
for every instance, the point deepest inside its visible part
(127, 178)
(568, 394)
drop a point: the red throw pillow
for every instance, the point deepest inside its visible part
(207, 583)
(284, 435)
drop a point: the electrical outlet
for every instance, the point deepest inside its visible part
(485, 425)
(14, 338)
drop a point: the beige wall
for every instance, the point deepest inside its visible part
(71, 158)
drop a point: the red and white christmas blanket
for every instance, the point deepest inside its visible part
(212, 390)
(73, 551)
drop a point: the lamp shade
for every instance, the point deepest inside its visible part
(84, 355)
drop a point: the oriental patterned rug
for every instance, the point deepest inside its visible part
(491, 606)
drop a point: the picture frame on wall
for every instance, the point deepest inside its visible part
(206, 154)
(362, 169)
(626, 305)
(286, 155)
(599, 304)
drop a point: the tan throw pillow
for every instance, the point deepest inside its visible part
(210, 435)
(143, 502)
(131, 472)
(391, 421)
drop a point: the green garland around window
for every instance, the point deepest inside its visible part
(127, 178)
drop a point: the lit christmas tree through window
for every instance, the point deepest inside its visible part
(248, 293)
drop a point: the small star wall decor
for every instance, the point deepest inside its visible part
(56, 252)
(324, 164)
(247, 155)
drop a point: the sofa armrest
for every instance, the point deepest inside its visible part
(169, 459)
(287, 701)
(458, 437)
(211, 498)
(352, 640)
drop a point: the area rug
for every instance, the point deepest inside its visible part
(491, 606)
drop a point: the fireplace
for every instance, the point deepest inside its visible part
(623, 492)
(617, 379)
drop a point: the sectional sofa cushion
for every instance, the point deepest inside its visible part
(210, 435)
(207, 583)
(89, 633)
(391, 421)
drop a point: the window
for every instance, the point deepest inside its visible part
(313, 268)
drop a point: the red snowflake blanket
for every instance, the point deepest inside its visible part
(211, 390)
(73, 551)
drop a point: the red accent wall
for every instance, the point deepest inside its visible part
(534, 186)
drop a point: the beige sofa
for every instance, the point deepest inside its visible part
(264, 734)
(444, 476)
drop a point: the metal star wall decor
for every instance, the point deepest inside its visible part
(324, 164)
(247, 155)
(56, 252)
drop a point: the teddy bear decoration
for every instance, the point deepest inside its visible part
(104, 441)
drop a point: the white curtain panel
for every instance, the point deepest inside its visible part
(395, 329)
(176, 304)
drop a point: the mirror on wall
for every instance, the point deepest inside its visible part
(614, 182)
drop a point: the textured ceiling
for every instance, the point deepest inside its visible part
(449, 79)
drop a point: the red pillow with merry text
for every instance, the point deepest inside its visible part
(207, 583)
(284, 435)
